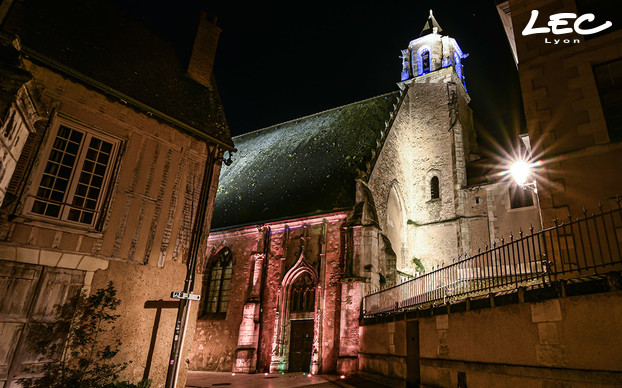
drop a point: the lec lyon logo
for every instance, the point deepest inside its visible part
(559, 25)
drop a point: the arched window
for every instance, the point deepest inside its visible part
(218, 283)
(303, 294)
(423, 60)
(435, 191)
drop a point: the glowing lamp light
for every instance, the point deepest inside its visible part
(265, 374)
(342, 376)
(520, 171)
(232, 374)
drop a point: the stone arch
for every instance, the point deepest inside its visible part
(280, 344)
(395, 224)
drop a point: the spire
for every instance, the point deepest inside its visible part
(430, 25)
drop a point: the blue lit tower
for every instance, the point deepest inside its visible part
(431, 51)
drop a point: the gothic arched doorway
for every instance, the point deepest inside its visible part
(295, 346)
(302, 307)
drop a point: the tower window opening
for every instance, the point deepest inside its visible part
(435, 192)
(425, 61)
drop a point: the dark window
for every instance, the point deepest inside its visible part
(74, 177)
(218, 283)
(425, 61)
(303, 294)
(520, 197)
(609, 82)
(435, 191)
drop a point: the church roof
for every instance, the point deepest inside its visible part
(302, 167)
(428, 28)
(101, 41)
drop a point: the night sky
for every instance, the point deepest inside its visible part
(278, 62)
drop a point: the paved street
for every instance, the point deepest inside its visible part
(260, 380)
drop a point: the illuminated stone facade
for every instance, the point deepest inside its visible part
(356, 198)
(70, 118)
(571, 94)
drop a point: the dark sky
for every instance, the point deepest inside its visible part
(276, 63)
(280, 61)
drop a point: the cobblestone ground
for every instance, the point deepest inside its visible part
(274, 380)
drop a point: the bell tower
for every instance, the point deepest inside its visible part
(430, 52)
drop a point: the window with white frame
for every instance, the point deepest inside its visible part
(71, 185)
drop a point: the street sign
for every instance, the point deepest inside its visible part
(185, 295)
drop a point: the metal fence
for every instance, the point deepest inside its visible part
(584, 246)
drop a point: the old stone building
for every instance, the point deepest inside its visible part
(315, 212)
(563, 331)
(571, 93)
(110, 131)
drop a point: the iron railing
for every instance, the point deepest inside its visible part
(581, 247)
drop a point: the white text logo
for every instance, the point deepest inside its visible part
(558, 21)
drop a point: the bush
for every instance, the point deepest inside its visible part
(85, 362)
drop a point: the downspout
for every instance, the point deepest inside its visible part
(195, 241)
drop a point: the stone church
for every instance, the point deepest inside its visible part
(316, 212)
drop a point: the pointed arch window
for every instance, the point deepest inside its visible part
(435, 192)
(303, 294)
(218, 283)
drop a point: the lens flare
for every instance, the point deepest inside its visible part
(520, 171)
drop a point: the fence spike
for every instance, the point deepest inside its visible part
(569, 217)
(520, 232)
(531, 228)
(502, 240)
(479, 250)
(486, 247)
(556, 220)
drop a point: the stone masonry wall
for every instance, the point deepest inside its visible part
(570, 341)
(216, 338)
(564, 115)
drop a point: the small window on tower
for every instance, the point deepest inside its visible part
(435, 192)
(425, 61)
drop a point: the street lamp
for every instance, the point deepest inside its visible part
(521, 172)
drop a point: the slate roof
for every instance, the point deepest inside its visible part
(301, 167)
(101, 41)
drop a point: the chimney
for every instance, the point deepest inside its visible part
(201, 64)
